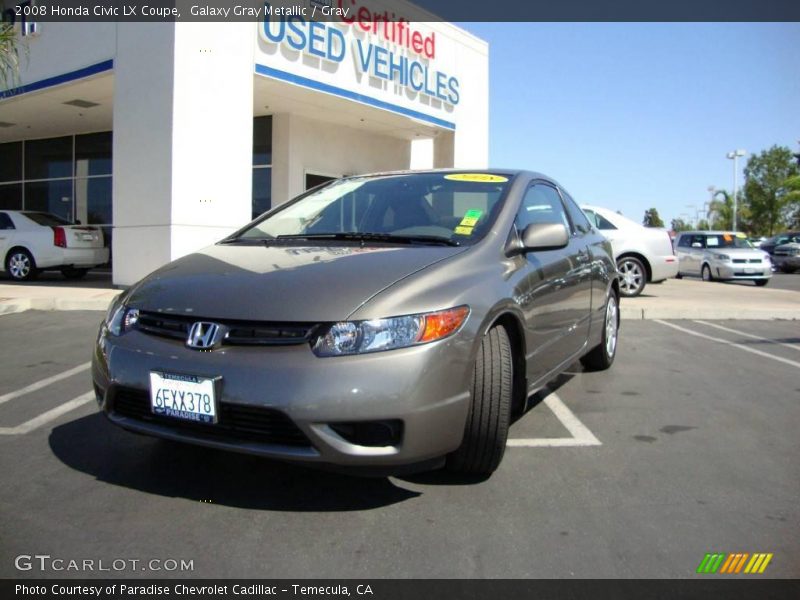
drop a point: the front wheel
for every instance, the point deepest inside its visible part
(761, 282)
(486, 431)
(20, 265)
(634, 276)
(706, 273)
(601, 357)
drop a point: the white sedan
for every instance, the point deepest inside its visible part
(32, 241)
(643, 254)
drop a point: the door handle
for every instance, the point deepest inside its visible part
(583, 256)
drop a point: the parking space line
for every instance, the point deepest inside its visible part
(48, 416)
(44, 382)
(792, 363)
(750, 335)
(581, 436)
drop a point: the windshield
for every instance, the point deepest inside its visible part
(727, 240)
(457, 207)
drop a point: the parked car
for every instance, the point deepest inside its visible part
(787, 256)
(643, 254)
(787, 237)
(32, 241)
(391, 321)
(724, 255)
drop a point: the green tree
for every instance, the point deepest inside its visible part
(702, 225)
(9, 56)
(766, 176)
(792, 185)
(720, 210)
(680, 225)
(652, 218)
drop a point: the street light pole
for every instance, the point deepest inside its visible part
(735, 155)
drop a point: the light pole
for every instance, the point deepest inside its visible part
(735, 156)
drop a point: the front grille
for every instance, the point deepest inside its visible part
(236, 421)
(239, 333)
(741, 261)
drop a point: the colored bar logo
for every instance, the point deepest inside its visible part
(734, 563)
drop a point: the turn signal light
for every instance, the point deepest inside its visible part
(443, 323)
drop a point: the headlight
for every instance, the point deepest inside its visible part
(721, 256)
(358, 337)
(120, 318)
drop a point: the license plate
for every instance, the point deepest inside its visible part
(183, 397)
(751, 270)
(87, 237)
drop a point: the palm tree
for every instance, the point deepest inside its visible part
(720, 212)
(9, 56)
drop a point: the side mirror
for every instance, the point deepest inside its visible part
(697, 245)
(544, 236)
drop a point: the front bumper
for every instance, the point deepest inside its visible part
(728, 270)
(426, 388)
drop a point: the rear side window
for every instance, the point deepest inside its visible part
(5, 221)
(579, 219)
(685, 241)
(598, 220)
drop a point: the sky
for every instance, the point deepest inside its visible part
(631, 116)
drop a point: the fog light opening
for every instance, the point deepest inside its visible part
(373, 434)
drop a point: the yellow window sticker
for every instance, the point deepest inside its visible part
(463, 230)
(741, 235)
(477, 177)
(468, 221)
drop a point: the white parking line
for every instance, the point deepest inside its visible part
(734, 344)
(581, 436)
(44, 382)
(750, 335)
(50, 415)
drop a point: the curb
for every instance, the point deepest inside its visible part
(711, 314)
(18, 305)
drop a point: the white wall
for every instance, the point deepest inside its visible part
(182, 140)
(301, 144)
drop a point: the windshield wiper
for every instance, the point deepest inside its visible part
(374, 237)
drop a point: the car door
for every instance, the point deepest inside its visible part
(557, 286)
(6, 236)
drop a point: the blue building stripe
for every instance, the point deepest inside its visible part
(343, 93)
(106, 65)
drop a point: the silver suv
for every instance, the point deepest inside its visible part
(724, 255)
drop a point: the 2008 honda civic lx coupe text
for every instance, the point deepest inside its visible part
(390, 322)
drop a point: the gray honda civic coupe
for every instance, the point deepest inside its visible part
(390, 323)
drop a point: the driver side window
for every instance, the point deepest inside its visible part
(541, 204)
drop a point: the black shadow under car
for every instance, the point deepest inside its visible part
(391, 321)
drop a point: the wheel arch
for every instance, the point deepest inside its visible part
(516, 336)
(16, 247)
(641, 257)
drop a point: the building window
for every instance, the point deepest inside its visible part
(262, 165)
(68, 176)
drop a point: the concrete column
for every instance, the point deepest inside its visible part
(183, 135)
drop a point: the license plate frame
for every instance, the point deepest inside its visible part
(185, 397)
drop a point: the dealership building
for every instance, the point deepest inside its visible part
(173, 135)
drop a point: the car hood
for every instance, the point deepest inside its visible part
(280, 283)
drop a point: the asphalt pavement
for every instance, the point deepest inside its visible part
(687, 446)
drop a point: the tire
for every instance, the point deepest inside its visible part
(706, 273)
(486, 430)
(601, 357)
(787, 269)
(761, 282)
(679, 276)
(20, 265)
(634, 276)
(73, 273)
